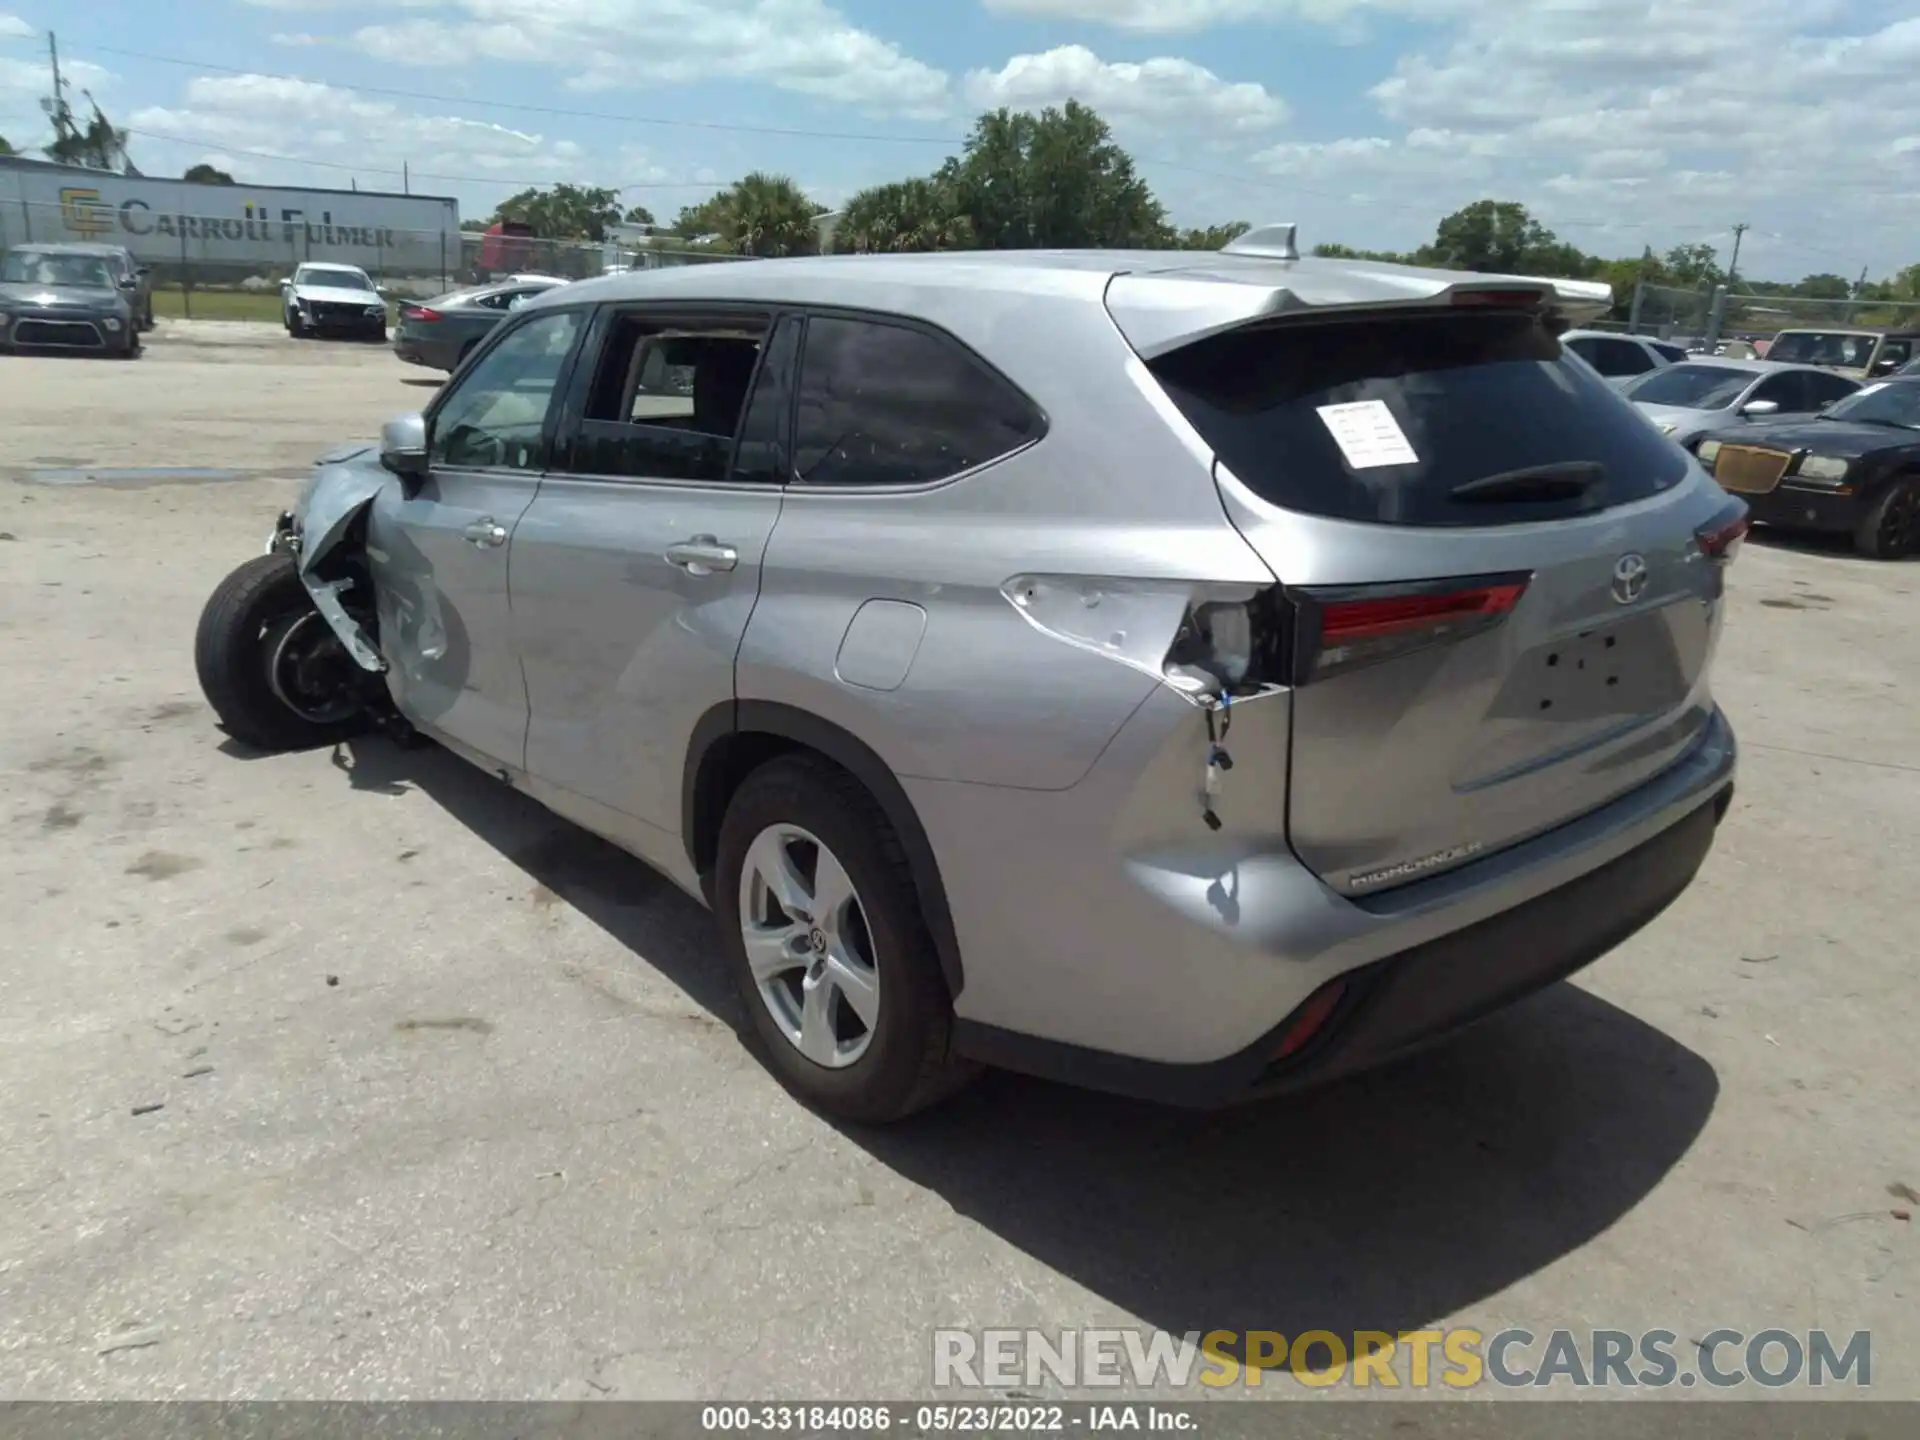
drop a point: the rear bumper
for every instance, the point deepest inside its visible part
(420, 352)
(1259, 942)
(1395, 1005)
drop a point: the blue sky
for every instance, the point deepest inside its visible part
(1620, 123)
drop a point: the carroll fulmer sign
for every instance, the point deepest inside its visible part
(171, 220)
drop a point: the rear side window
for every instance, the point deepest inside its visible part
(884, 404)
(1611, 358)
(1672, 352)
(1471, 396)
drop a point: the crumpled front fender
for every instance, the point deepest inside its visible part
(343, 484)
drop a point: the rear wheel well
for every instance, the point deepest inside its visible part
(735, 739)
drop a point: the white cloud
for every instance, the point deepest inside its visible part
(12, 27)
(805, 46)
(1167, 16)
(298, 41)
(342, 131)
(1331, 157)
(1167, 92)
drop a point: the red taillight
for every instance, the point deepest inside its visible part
(1348, 628)
(418, 312)
(1499, 299)
(1721, 539)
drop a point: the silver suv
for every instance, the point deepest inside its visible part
(1190, 675)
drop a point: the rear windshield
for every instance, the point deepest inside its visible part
(1381, 419)
(1694, 387)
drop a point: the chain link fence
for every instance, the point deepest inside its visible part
(219, 267)
(1707, 314)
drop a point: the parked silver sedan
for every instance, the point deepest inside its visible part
(1710, 393)
(439, 333)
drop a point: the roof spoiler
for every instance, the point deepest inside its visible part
(1160, 311)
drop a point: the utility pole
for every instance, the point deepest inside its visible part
(1733, 265)
(57, 109)
(406, 178)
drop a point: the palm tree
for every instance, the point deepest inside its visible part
(908, 215)
(767, 215)
(100, 145)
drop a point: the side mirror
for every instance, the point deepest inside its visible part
(129, 282)
(1754, 409)
(403, 449)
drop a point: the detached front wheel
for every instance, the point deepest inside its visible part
(270, 665)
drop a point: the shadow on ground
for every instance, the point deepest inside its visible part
(1381, 1203)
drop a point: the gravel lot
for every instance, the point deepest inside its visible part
(451, 1103)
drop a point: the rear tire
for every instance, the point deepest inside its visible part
(1890, 530)
(907, 1062)
(251, 623)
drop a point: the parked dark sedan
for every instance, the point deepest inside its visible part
(64, 297)
(1854, 470)
(438, 333)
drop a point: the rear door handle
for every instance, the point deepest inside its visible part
(486, 533)
(702, 555)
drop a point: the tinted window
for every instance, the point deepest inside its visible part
(1693, 386)
(1820, 347)
(883, 404)
(1788, 391)
(1611, 357)
(1671, 352)
(667, 397)
(761, 458)
(1827, 388)
(496, 413)
(1469, 395)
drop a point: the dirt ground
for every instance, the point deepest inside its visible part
(354, 1075)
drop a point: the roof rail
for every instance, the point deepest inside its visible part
(1270, 242)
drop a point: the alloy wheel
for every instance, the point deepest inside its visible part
(808, 946)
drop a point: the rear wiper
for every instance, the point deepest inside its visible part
(1568, 481)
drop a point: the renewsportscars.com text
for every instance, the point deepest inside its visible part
(1455, 1359)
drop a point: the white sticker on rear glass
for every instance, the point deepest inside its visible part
(1367, 434)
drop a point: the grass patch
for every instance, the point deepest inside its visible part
(218, 305)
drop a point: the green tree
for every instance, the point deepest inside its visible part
(5, 148)
(563, 212)
(1056, 179)
(1694, 265)
(759, 214)
(1499, 235)
(1332, 250)
(204, 174)
(640, 215)
(1213, 237)
(1825, 287)
(907, 215)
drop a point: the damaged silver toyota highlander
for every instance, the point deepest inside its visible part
(1191, 675)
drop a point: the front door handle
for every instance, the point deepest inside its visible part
(702, 555)
(485, 533)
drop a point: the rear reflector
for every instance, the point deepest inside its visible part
(1308, 1019)
(418, 312)
(1362, 625)
(1720, 539)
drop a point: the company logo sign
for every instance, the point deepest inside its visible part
(84, 213)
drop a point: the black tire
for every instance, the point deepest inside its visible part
(909, 1063)
(1890, 530)
(244, 619)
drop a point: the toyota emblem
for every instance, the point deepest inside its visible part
(1629, 578)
